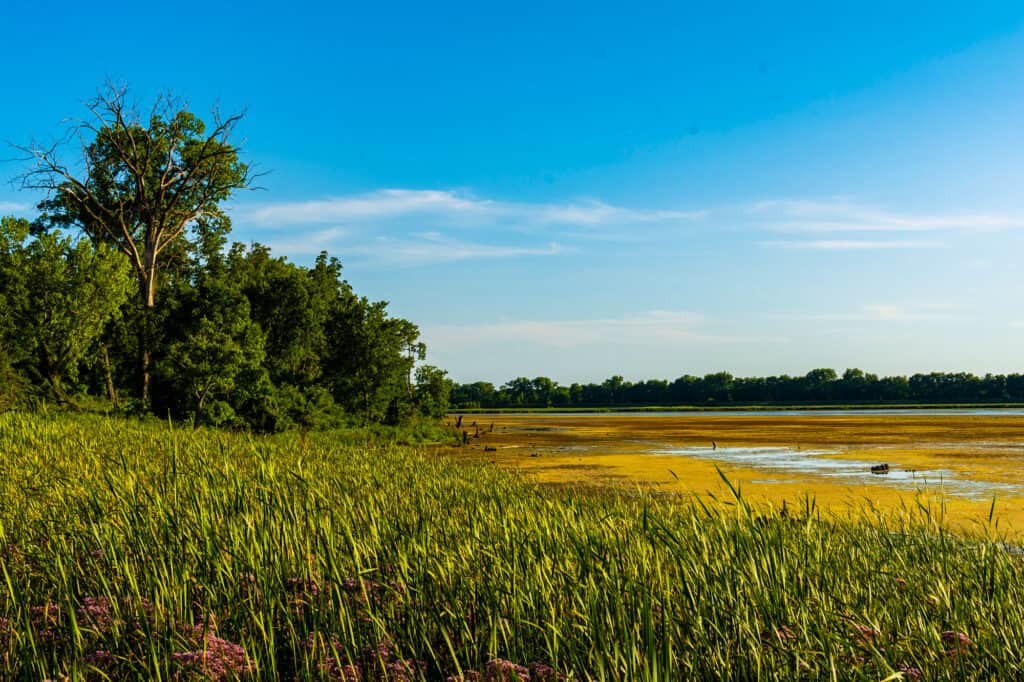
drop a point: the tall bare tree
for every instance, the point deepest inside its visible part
(141, 184)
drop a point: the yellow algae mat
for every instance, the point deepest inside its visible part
(957, 462)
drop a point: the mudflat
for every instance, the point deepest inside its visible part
(954, 464)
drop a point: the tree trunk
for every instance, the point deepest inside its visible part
(148, 289)
(53, 378)
(111, 390)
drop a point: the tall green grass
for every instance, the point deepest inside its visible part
(141, 551)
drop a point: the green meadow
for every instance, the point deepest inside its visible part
(142, 550)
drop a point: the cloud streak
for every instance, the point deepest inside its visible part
(12, 207)
(431, 249)
(404, 226)
(417, 249)
(881, 312)
(844, 215)
(853, 244)
(454, 208)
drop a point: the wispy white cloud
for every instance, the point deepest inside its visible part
(845, 215)
(433, 248)
(382, 204)
(655, 327)
(898, 313)
(455, 208)
(421, 248)
(308, 243)
(882, 312)
(853, 244)
(12, 207)
(392, 226)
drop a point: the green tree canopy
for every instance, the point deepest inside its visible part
(142, 184)
(58, 296)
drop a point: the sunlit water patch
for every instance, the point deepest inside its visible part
(850, 471)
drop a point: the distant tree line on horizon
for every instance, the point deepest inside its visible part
(819, 386)
(124, 289)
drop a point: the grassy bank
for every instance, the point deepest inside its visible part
(137, 551)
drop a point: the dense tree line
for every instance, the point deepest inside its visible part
(124, 288)
(819, 386)
(243, 338)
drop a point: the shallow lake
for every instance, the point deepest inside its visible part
(824, 463)
(910, 412)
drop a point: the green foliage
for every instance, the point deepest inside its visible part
(150, 179)
(291, 304)
(150, 183)
(14, 293)
(297, 555)
(371, 360)
(14, 387)
(433, 389)
(59, 295)
(247, 340)
(818, 387)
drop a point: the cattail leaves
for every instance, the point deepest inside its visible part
(142, 552)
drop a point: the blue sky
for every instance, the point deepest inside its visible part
(648, 189)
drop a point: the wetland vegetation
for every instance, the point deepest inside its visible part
(137, 550)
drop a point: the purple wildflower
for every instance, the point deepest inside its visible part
(542, 672)
(500, 670)
(327, 656)
(909, 672)
(45, 620)
(97, 612)
(781, 634)
(304, 587)
(400, 671)
(100, 659)
(381, 652)
(215, 658)
(468, 676)
(956, 642)
(865, 635)
(6, 630)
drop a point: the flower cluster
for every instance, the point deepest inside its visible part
(500, 670)
(328, 657)
(781, 635)
(865, 635)
(910, 673)
(305, 593)
(213, 658)
(46, 621)
(97, 612)
(378, 663)
(6, 632)
(377, 595)
(956, 643)
(101, 659)
(384, 665)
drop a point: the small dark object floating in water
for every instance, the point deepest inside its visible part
(488, 448)
(880, 469)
